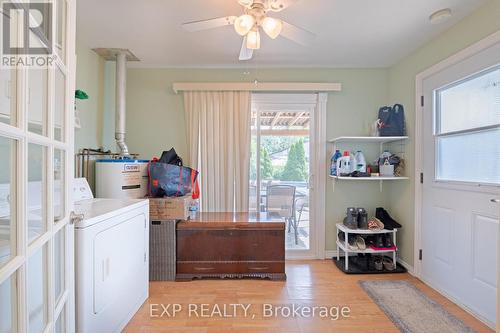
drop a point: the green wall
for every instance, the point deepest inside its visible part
(483, 22)
(89, 78)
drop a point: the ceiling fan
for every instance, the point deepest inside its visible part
(254, 19)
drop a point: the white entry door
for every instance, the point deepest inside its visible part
(36, 171)
(461, 150)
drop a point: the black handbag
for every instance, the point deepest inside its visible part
(171, 157)
(392, 120)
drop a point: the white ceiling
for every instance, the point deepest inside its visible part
(350, 33)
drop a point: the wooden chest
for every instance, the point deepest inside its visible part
(231, 245)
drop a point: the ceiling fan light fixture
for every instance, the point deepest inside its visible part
(244, 24)
(272, 27)
(245, 3)
(253, 40)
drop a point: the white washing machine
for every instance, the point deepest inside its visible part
(112, 260)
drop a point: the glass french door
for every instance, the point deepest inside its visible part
(36, 154)
(281, 168)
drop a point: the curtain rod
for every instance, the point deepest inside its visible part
(257, 86)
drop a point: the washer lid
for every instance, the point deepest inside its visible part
(97, 210)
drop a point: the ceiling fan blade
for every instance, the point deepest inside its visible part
(245, 53)
(296, 34)
(279, 5)
(209, 24)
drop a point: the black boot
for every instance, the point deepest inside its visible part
(387, 220)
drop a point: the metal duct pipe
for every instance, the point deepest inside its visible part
(121, 90)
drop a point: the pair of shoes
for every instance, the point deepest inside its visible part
(357, 218)
(388, 221)
(383, 262)
(355, 242)
(375, 224)
(382, 241)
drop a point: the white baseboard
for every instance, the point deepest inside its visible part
(330, 253)
(406, 265)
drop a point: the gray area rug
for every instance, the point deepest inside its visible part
(410, 309)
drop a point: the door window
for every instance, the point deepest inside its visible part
(467, 129)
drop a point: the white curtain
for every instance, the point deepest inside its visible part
(218, 130)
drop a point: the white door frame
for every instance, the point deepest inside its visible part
(317, 102)
(17, 265)
(419, 111)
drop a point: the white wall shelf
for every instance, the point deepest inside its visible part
(378, 140)
(368, 139)
(368, 178)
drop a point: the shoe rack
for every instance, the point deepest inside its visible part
(344, 245)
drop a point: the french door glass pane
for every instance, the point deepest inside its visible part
(8, 305)
(8, 96)
(59, 260)
(7, 199)
(471, 157)
(61, 28)
(60, 105)
(472, 103)
(59, 184)
(37, 191)
(37, 101)
(36, 290)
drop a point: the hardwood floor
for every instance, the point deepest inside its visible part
(310, 283)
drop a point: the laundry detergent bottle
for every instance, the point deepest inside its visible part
(333, 165)
(360, 162)
(344, 165)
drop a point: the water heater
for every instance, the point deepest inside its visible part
(121, 178)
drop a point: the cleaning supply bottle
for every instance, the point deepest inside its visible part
(344, 164)
(360, 162)
(333, 165)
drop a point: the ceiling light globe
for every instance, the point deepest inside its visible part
(246, 3)
(253, 40)
(272, 27)
(244, 24)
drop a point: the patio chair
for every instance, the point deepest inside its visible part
(280, 199)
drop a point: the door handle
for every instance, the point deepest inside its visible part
(495, 200)
(75, 218)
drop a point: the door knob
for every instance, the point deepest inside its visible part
(495, 200)
(75, 218)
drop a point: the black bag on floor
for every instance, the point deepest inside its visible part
(392, 120)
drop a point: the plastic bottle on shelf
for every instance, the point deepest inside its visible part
(333, 165)
(359, 162)
(344, 165)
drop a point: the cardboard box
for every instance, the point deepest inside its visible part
(171, 208)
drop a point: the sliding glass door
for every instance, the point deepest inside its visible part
(281, 165)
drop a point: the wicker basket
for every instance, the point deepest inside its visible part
(162, 250)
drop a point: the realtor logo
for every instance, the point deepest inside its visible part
(27, 38)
